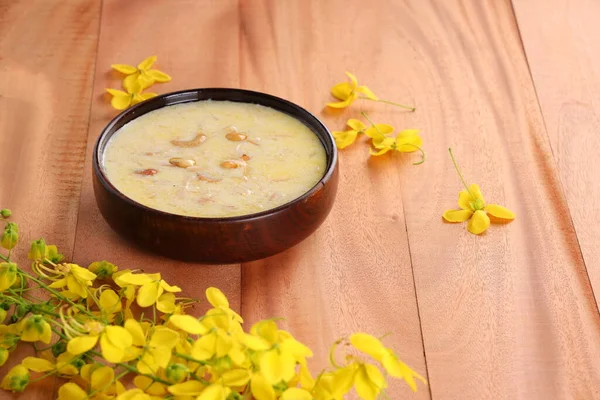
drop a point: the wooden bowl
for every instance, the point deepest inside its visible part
(217, 240)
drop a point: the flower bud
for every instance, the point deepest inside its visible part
(13, 226)
(59, 348)
(3, 356)
(9, 238)
(177, 372)
(16, 380)
(8, 275)
(53, 255)
(20, 283)
(5, 212)
(2, 315)
(21, 310)
(38, 250)
(103, 269)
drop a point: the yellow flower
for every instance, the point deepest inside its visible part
(474, 208)
(261, 389)
(77, 279)
(151, 287)
(114, 340)
(133, 95)
(346, 138)
(8, 275)
(348, 92)
(10, 237)
(372, 346)
(216, 391)
(103, 269)
(407, 141)
(62, 365)
(142, 74)
(156, 352)
(369, 382)
(71, 391)
(296, 394)
(16, 379)
(35, 328)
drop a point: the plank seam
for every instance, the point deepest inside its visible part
(562, 190)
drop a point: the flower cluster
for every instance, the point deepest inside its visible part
(121, 334)
(382, 136)
(137, 79)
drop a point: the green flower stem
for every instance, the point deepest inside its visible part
(389, 102)
(53, 372)
(4, 258)
(460, 174)
(60, 334)
(418, 148)
(189, 358)
(57, 294)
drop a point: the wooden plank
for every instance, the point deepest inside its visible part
(47, 57)
(510, 314)
(182, 34)
(562, 43)
(354, 273)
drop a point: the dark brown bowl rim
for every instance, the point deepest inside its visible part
(307, 118)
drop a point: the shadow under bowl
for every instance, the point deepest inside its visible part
(217, 240)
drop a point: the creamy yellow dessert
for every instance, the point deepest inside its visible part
(214, 159)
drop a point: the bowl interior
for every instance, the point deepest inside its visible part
(237, 95)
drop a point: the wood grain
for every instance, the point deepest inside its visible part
(47, 56)
(355, 273)
(567, 81)
(181, 34)
(509, 314)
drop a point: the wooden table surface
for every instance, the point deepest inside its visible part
(513, 88)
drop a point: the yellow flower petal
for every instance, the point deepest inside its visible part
(464, 200)
(120, 102)
(132, 84)
(353, 80)
(398, 369)
(342, 91)
(368, 344)
(499, 212)
(82, 274)
(296, 394)
(129, 278)
(408, 141)
(204, 348)
(344, 139)
(166, 303)
(149, 386)
(147, 63)
(118, 336)
(215, 391)
(70, 391)
(479, 222)
(343, 379)
(148, 294)
(261, 389)
(102, 378)
(342, 104)
(188, 324)
(124, 68)
(110, 302)
(81, 344)
(474, 188)
(367, 92)
(235, 377)
(164, 337)
(133, 394)
(169, 288)
(37, 364)
(375, 376)
(46, 335)
(216, 297)
(110, 352)
(190, 388)
(162, 356)
(457, 215)
(158, 76)
(276, 366)
(356, 124)
(364, 387)
(380, 152)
